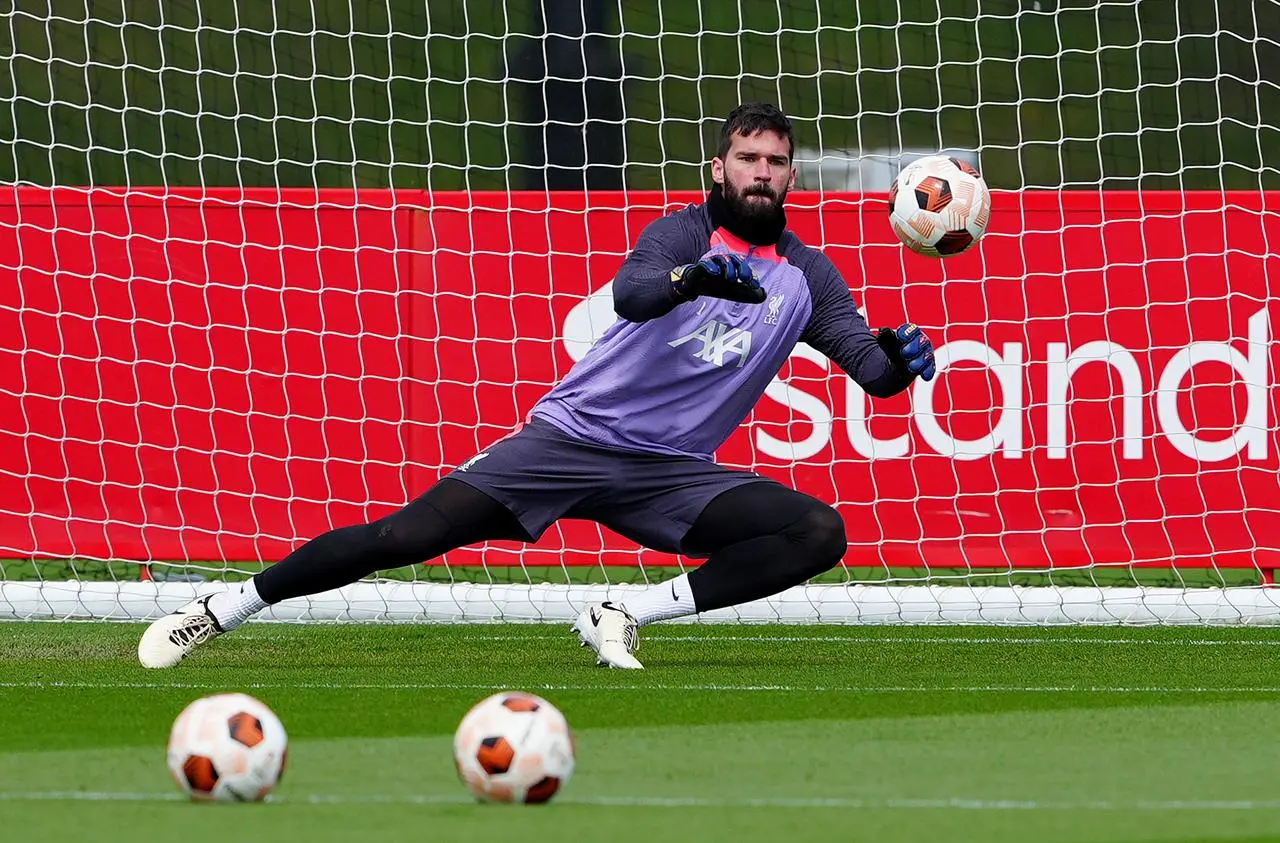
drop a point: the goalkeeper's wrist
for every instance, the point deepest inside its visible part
(681, 288)
(887, 339)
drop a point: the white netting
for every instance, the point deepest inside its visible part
(267, 269)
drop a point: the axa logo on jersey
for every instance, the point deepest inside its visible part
(718, 342)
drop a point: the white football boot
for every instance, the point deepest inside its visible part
(611, 632)
(170, 639)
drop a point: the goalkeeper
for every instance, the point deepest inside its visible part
(711, 302)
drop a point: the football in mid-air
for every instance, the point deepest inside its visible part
(939, 206)
(514, 747)
(227, 748)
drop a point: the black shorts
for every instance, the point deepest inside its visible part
(543, 474)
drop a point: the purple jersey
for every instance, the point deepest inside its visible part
(678, 377)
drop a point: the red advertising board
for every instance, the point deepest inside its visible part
(223, 374)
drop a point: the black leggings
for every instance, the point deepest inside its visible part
(759, 538)
(449, 515)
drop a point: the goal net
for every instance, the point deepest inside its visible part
(270, 269)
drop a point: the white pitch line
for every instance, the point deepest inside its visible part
(954, 803)
(659, 686)
(869, 639)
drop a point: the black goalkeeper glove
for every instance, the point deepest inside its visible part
(909, 349)
(719, 276)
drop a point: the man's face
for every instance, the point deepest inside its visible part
(756, 173)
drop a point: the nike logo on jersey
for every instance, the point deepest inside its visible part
(718, 341)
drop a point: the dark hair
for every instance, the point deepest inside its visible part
(752, 117)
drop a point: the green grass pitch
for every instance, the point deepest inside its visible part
(732, 733)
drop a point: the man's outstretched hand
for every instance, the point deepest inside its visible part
(910, 349)
(719, 276)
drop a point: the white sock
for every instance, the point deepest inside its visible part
(236, 605)
(671, 599)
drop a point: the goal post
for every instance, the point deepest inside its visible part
(267, 273)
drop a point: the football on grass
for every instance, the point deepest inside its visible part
(227, 748)
(939, 206)
(514, 747)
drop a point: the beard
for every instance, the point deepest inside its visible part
(752, 211)
(758, 221)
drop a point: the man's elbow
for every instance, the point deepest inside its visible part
(630, 309)
(639, 300)
(626, 302)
